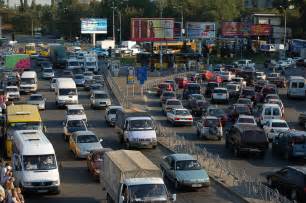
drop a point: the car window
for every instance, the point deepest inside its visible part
(267, 111)
(294, 85)
(276, 112)
(279, 125)
(301, 85)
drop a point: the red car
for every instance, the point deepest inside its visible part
(182, 82)
(164, 87)
(95, 161)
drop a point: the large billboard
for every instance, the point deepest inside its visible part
(261, 30)
(152, 29)
(93, 25)
(201, 30)
(231, 29)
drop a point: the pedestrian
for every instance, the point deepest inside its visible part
(20, 196)
(4, 170)
(109, 52)
(15, 196)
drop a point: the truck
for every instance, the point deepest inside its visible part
(58, 55)
(136, 129)
(128, 176)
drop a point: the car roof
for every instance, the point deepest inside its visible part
(182, 157)
(115, 107)
(37, 94)
(245, 116)
(75, 106)
(99, 92)
(84, 132)
(270, 105)
(278, 120)
(178, 109)
(220, 88)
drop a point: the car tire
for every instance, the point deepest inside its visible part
(293, 195)
(176, 185)
(270, 182)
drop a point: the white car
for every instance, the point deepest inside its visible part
(274, 126)
(75, 111)
(88, 75)
(261, 76)
(172, 104)
(179, 116)
(240, 81)
(53, 83)
(243, 63)
(38, 100)
(227, 75)
(100, 99)
(111, 114)
(72, 125)
(277, 101)
(12, 92)
(210, 127)
(220, 94)
(246, 120)
(47, 73)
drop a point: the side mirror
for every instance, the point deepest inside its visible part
(101, 140)
(173, 198)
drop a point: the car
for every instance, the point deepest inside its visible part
(96, 87)
(79, 80)
(38, 100)
(233, 90)
(72, 125)
(88, 83)
(167, 95)
(274, 126)
(197, 103)
(246, 120)
(246, 101)
(240, 80)
(180, 116)
(271, 96)
(277, 79)
(238, 109)
(67, 74)
(98, 79)
(184, 171)
(191, 88)
(81, 143)
(245, 63)
(88, 75)
(220, 94)
(111, 114)
(226, 75)
(46, 64)
(12, 80)
(290, 181)
(209, 127)
(217, 112)
(261, 76)
(249, 93)
(267, 89)
(53, 83)
(267, 112)
(259, 84)
(95, 161)
(172, 83)
(12, 93)
(75, 111)
(99, 99)
(290, 144)
(210, 87)
(246, 139)
(171, 104)
(279, 102)
(163, 87)
(270, 63)
(181, 81)
(47, 73)
(302, 119)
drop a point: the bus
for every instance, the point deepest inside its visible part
(174, 47)
(20, 117)
(30, 49)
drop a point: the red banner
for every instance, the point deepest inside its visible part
(261, 30)
(231, 29)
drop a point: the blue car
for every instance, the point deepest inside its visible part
(184, 171)
(290, 144)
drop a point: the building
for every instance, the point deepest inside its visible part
(16, 3)
(258, 3)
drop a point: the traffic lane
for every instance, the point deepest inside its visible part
(74, 174)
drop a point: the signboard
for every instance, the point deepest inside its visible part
(131, 76)
(152, 29)
(261, 30)
(231, 29)
(93, 25)
(142, 75)
(17, 61)
(201, 30)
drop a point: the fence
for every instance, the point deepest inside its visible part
(237, 179)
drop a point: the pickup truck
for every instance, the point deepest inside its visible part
(129, 177)
(136, 129)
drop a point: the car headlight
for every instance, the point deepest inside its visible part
(55, 182)
(27, 183)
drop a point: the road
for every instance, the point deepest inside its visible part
(77, 185)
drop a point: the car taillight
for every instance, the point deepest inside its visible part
(189, 119)
(305, 189)
(177, 119)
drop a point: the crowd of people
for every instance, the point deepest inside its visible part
(8, 192)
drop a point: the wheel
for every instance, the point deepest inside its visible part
(293, 195)
(270, 182)
(176, 185)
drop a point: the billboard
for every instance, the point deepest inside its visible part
(261, 30)
(93, 25)
(152, 29)
(231, 29)
(200, 30)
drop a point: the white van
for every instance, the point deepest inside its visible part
(28, 82)
(296, 87)
(66, 92)
(269, 111)
(34, 162)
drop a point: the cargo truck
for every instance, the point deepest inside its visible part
(129, 177)
(58, 55)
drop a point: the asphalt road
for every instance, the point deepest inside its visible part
(77, 185)
(254, 167)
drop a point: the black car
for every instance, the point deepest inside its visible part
(290, 181)
(197, 103)
(249, 93)
(210, 87)
(191, 88)
(246, 139)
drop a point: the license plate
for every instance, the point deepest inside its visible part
(42, 191)
(196, 185)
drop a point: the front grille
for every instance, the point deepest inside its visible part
(145, 140)
(46, 183)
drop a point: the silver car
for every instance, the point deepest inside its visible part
(39, 100)
(99, 99)
(47, 73)
(79, 79)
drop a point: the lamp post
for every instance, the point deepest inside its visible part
(114, 34)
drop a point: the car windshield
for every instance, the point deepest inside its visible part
(212, 122)
(182, 112)
(242, 110)
(73, 63)
(244, 101)
(246, 120)
(113, 111)
(148, 193)
(279, 125)
(176, 103)
(87, 139)
(248, 92)
(141, 125)
(12, 89)
(76, 112)
(220, 91)
(27, 80)
(79, 77)
(269, 91)
(198, 97)
(212, 85)
(36, 98)
(187, 165)
(216, 112)
(231, 87)
(88, 73)
(101, 96)
(90, 63)
(48, 70)
(25, 126)
(39, 162)
(67, 92)
(75, 124)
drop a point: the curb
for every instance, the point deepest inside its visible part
(215, 180)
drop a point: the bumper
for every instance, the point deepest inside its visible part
(64, 103)
(183, 123)
(219, 99)
(195, 185)
(211, 136)
(41, 189)
(148, 144)
(100, 105)
(251, 150)
(27, 89)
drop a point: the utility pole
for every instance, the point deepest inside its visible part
(114, 34)
(161, 45)
(120, 27)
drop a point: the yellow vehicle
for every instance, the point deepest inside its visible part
(43, 50)
(20, 117)
(175, 47)
(30, 49)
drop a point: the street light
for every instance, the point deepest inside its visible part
(284, 8)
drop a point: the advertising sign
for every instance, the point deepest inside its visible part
(200, 30)
(17, 61)
(93, 25)
(231, 29)
(152, 29)
(261, 30)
